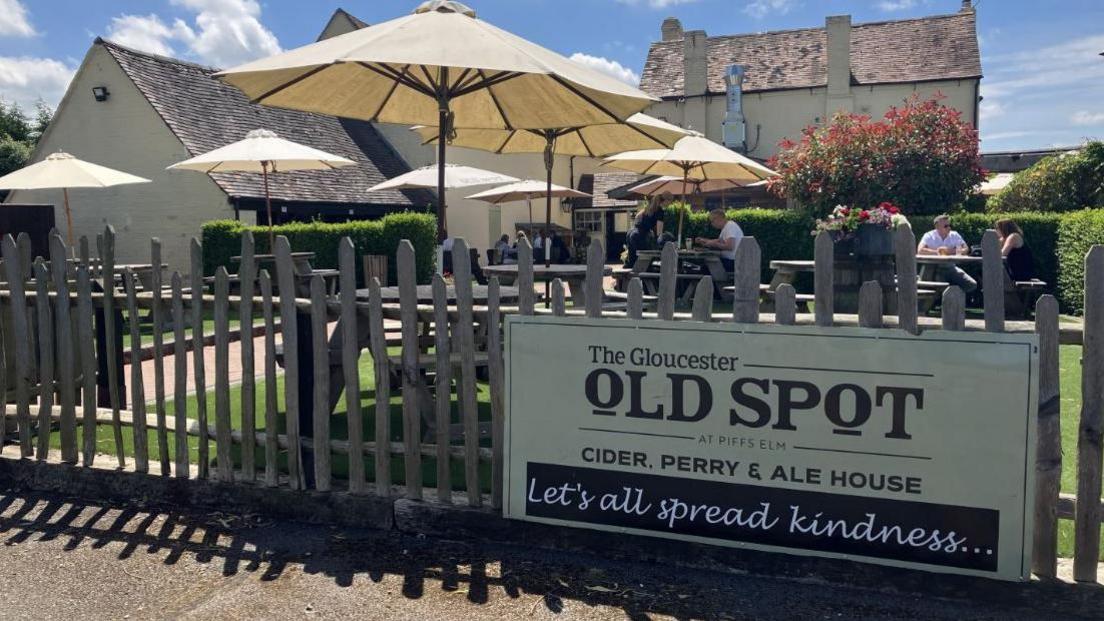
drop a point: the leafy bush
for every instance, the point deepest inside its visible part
(222, 240)
(1056, 183)
(781, 233)
(1076, 235)
(921, 157)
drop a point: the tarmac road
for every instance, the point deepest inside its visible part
(67, 559)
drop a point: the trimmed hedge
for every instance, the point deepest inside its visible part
(781, 233)
(1076, 235)
(222, 240)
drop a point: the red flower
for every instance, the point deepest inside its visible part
(864, 215)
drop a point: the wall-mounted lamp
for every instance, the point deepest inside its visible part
(100, 93)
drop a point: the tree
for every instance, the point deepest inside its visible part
(1065, 182)
(921, 157)
(19, 134)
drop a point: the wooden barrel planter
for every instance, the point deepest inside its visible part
(866, 256)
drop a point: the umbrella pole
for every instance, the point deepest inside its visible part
(68, 215)
(685, 204)
(443, 130)
(549, 161)
(268, 208)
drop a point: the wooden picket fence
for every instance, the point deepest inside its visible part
(57, 363)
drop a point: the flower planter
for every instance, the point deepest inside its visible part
(873, 240)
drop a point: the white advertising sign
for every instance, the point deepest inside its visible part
(873, 445)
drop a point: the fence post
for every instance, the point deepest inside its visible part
(320, 429)
(67, 360)
(497, 385)
(785, 304)
(954, 309)
(247, 278)
(411, 375)
(45, 334)
(20, 343)
(467, 391)
(112, 340)
(596, 264)
(350, 362)
(289, 330)
(904, 243)
(198, 370)
(442, 388)
(180, 377)
(1087, 525)
(870, 305)
(745, 302)
(823, 298)
(271, 426)
(635, 298)
(668, 280)
(992, 279)
(526, 295)
(159, 358)
(559, 303)
(137, 388)
(1048, 454)
(382, 366)
(86, 335)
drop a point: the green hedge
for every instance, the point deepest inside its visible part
(222, 240)
(781, 233)
(1077, 233)
(1064, 182)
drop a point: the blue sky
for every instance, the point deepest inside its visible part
(1043, 85)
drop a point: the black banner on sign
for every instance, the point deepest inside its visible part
(917, 532)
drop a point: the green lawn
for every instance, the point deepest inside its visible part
(1070, 375)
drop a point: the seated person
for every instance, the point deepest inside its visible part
(647, 223)
(1017, 256)
(502, 248)
(560, 253)
(731, 234)
(943, 241)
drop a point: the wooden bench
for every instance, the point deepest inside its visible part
(1020, 296)
(426, 395)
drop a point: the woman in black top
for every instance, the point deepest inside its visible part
(1017, 256)
(646, 226)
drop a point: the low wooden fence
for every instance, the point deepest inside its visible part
(57, 361)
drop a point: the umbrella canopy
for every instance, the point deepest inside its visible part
(455, 177)
(525, 190)
(639, 131)
(693, 157)
(263, 151)
(439, 66)
(61, 170)
(677, 185)
(996, 183)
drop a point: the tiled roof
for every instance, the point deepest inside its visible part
(940, 47)
(206, 114)
(599, 184)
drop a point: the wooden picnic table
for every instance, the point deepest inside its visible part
(708, 259)
(930, 263)
(571, 274)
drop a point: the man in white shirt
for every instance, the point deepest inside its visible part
(726, 242)
(943, 241)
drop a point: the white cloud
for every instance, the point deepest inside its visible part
(990, 110)
(760, 8)
(26, 80)
(147, 33)
(897, 5)
(608, 67)
(1084, 117)
(655, 4)
(14, 21)
(225, 32)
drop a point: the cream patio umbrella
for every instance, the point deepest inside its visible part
(263, 151)
(456, 176)
(61, 170)
(526, 191)
(439, 66)
(639, 131)
(692, 157)
(677, 185)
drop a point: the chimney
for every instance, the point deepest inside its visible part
(838, 28)
(967, 7)
(733, 128)
(671, 29)
(695, 63)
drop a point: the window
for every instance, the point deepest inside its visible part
(589, 221)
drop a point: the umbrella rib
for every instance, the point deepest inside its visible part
(509, 136)
(498, 105)
(564, 83)
(433, 83)
(399, 77)
(289, 84)
(391, 91)
(579, 132)
(464, 77)
(488, 82)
